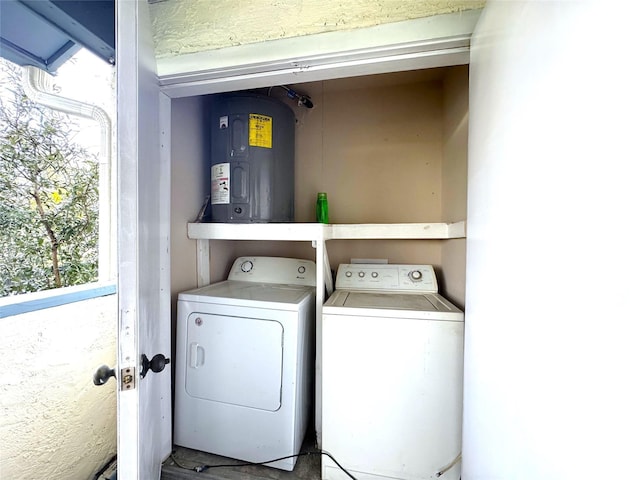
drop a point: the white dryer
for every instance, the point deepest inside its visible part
(244, 361)
(392, 375)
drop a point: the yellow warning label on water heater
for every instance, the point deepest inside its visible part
(260, 130)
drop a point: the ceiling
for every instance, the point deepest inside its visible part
(46, 33)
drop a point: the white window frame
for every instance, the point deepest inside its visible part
(36, 86)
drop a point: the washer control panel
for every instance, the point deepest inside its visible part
(383, 277)
(288, 271)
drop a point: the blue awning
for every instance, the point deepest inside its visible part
(46, 33)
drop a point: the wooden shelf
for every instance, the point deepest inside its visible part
(318, 231)
(372, 231)
(256, 231)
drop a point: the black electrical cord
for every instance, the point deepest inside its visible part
(303, 100)
(202, 468)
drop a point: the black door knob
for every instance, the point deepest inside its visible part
(156, 364)
(103, 374)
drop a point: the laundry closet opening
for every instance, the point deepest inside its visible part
(387, 149)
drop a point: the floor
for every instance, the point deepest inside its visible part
(307, 467)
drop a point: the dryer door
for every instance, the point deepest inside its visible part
(234, 360)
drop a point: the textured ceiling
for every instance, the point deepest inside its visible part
(190, 26)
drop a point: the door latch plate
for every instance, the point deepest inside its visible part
(128, 378)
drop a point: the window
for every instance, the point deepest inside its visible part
(56, 213)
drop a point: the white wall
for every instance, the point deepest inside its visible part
(55, 423)
(552, 386)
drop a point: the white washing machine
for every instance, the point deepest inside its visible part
(244, 361)
(392, 375)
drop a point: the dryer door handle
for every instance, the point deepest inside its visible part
(196, 355)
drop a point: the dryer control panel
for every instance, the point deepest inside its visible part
(288, 271)
(382, 277)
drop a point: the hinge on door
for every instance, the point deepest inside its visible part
(128, 378)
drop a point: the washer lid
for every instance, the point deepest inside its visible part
(425, 306)
(259, 292)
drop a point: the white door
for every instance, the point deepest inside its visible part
(144, 404)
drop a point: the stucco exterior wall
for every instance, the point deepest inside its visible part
(190, 26)
(55, 423)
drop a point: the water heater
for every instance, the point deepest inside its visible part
(252, 159)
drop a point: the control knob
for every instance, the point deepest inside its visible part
(415, 275)
(246, 266)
